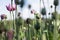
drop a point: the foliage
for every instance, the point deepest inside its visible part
(18, 21)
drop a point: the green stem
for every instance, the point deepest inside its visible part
(17, 32)
(55, 31)
(29, 37)
(55, 9)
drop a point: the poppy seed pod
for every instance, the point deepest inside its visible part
(51, 6)
(49, 13)
(31, 11)
(37, 26)
(37, 17)
(17, 2)
(29, 6)
(19, 14)
(21, 3)
(43, 11)
(53, 16)
(28, 20)
(56, 2)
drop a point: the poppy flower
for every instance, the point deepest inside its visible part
(14, 7)
(3, 16)
(11, 7)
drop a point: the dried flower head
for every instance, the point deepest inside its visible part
(28, 20)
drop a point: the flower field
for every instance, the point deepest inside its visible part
(38, 28)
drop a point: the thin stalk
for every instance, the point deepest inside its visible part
(13, 22)
(55, 31)
(47, 30)
(28, 33)
(55, 27)
(17, 30)
(43, 3)
(40, 30)
(33, 29)
(55, 9)
(13, 17)
(10, 20)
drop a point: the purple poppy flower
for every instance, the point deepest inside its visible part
(3, 16)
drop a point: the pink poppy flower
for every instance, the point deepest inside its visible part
(11, 7)
(14, 7)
